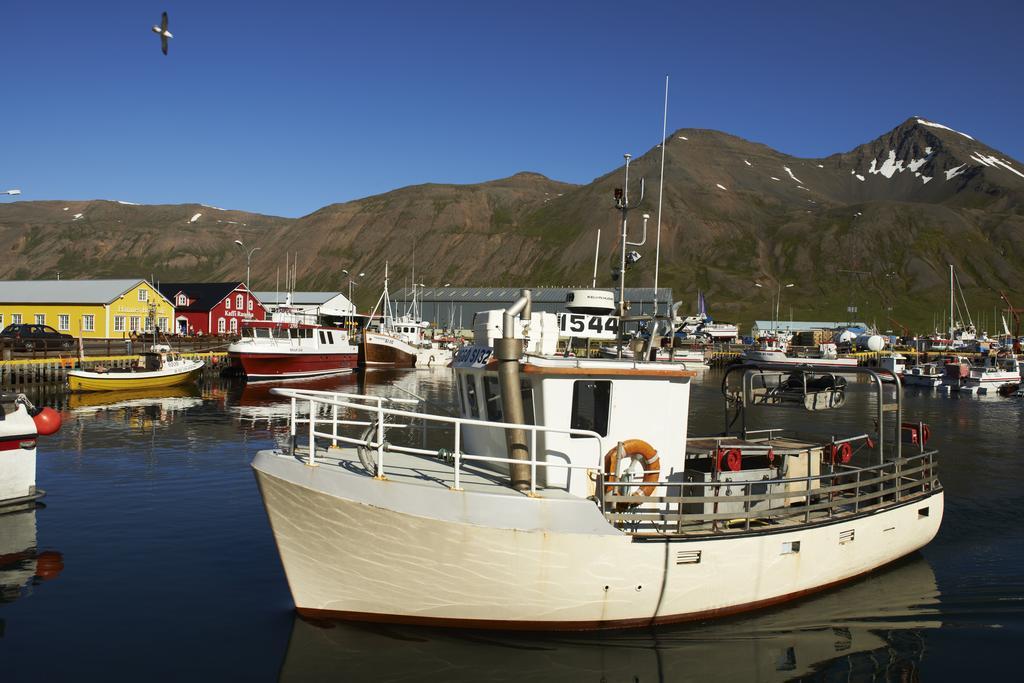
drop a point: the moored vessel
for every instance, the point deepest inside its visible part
(21, 425)
(159, 367)
(569, 494)
(282, 349)
(775, 350)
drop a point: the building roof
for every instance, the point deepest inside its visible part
(65, 291)
(206, 295)
(806, 326)
(551, 295)
(298, 298)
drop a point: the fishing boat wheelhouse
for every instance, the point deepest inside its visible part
(569, 494)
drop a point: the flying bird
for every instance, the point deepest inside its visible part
(162, 31)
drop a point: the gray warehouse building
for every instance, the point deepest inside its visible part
(455, 306)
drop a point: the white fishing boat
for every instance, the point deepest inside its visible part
(569, 494)
(775, 350)
(993, 372)
(924, 375)
(400, 341)
(679, 354)
(21, 425)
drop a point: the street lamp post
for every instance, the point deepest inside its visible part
(777, 302)
(248, 259)
(350, 283)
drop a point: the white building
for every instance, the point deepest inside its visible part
(334, 304)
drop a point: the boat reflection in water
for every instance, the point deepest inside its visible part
(874, 627)
(254, 405)
(22, 564)
(164, 399)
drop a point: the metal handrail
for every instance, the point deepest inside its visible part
(324, 398)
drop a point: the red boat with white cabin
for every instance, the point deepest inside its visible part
(277, 349)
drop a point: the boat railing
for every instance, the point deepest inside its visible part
(325, 431)
(724, 504)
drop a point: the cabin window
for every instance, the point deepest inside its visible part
(64, 322)
(323, 337)
(474, 407)
(118, 323)
(492, 399)
(330, 337)
(88, 323)
(590, 402)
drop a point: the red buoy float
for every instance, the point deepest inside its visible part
(47, 421)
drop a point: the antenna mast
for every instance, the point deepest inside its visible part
(661, 189)
(623, 205)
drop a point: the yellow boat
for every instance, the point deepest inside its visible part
(155, 369)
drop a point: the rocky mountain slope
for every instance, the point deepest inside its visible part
(873, 228)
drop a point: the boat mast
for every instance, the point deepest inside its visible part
(623, 205)
(951, 323)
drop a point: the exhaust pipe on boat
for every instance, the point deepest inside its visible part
(508, 350)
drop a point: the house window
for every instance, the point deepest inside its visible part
(248, 304)
(227, 304)
(162, 324)
(118, 323)
(234, 325)
(63, 322)
(1, 321)
(590, 401)
(15, 318)
(221, 326)
(88, 323)
(143, 295)
(239, 303)
(182, 300)
(40, 318)
(134, 323)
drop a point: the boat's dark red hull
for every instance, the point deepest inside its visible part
(371, 355)
(285, 365)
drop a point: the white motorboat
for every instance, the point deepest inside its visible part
(570, 495)
(993, 372)
(924, 375)
(21, 425)
(703, 326)
(775, 350)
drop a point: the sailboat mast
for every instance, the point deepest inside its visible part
(951, 323)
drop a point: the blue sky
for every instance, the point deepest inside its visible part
(285, 107)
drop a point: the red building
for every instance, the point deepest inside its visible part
(211, 307)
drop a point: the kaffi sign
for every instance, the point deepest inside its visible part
(583, 326)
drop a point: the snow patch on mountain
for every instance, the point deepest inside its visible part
(721, 187)
(995, 163)
(194, 218)
(747, 162)
(787, 170)
(954, 172)
(939, 125)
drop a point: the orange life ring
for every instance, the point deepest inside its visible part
(633, 449)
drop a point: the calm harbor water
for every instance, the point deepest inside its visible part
(168, 568)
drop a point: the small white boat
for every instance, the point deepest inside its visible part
(924, 375)
(774, 350)
(21, 425)
(993, 372)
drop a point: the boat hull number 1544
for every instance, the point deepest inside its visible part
(588, 326)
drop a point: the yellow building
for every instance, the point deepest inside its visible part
(90, 308)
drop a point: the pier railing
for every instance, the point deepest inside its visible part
(320, 429)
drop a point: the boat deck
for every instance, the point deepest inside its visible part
(423, 470)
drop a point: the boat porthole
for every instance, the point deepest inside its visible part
(606, 589)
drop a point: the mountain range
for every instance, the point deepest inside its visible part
(873, 229)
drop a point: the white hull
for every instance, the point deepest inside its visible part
(922, 380)
(357, 548)
(17, 458)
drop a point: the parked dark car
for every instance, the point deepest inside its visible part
(24, 337)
